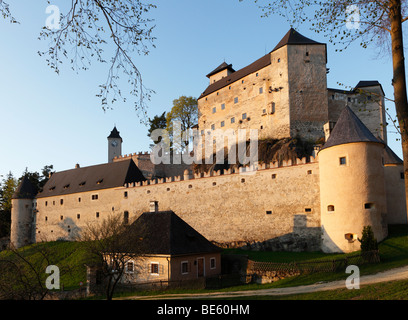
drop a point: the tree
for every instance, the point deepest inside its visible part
(182, 117)
(158, 122)
(38, 180)
(368, 241)
(111, 246)
(346, 21)
(7, 188)
(85, 30)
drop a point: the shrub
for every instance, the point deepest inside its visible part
(368, 241)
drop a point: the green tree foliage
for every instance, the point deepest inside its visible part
(368, 241)
(182, 117)
(7, 188)
(158, 122)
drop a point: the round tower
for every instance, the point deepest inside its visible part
(352, 185)
(22, 204)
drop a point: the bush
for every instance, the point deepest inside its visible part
(368, 241)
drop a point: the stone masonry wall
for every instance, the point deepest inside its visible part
(232, 209)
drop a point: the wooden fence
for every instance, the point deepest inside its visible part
(331, 265)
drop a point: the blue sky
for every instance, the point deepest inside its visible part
(55, 119)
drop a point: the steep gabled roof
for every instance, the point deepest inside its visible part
(235, 76)
(348, 129)
(98, 177)
(294, 37)
(115, 134)
(390, 157)
(220, 68)
(164, 232)
(25, 190)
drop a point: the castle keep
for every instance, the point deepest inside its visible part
(318, 202)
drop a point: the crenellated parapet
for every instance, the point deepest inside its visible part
(245, 170)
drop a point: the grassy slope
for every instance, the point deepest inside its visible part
(70, 257)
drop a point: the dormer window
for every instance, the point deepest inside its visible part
(99, 181)
(52, 188)
(82, 184)
(66, 186)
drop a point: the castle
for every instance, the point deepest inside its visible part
(319, 202)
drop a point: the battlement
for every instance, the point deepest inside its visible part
(250, 169)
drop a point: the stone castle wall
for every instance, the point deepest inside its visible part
(232, 209)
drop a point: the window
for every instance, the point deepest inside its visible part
(307, 53)
(274, 176)
(213, 127)
(242, 180)
(46, 203)
(97, 214)
(402, 175)
(212, 263)
(309, 171)
(278, 60)
(184, 267)
(61, 217)
(61, 201)
(82, 184)
(79, 199)
(202, 132)
(223, 106)
(222, 124)
(190, 186)
(214, 110)
(125, 194)
(269, 212)
(46, 218)
(236, 100)
(94, 197)
(368, 205)
(78, 216)
(330, 208)
(99, 181)
(244, 116)
(260, 90)
(130, 267)
(66, 186)
(126, 217)
(272, 107)
(232, 120)
(343, 161)
(308, 210)
(154, 268)
(351, 237)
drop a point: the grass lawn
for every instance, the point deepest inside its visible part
(71, 258)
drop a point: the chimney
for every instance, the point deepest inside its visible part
(77, 166)
(154, 206)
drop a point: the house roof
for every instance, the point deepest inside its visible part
(348, 129)
(235, 76)
(294, 37)
(164, 232)
(25, 190)
(220, 68)
(291, 37)
(390, 157)
(93, 178)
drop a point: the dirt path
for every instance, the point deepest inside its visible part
(390, 275)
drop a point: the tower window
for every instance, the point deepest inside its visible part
(343, 161)
(368, 205)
